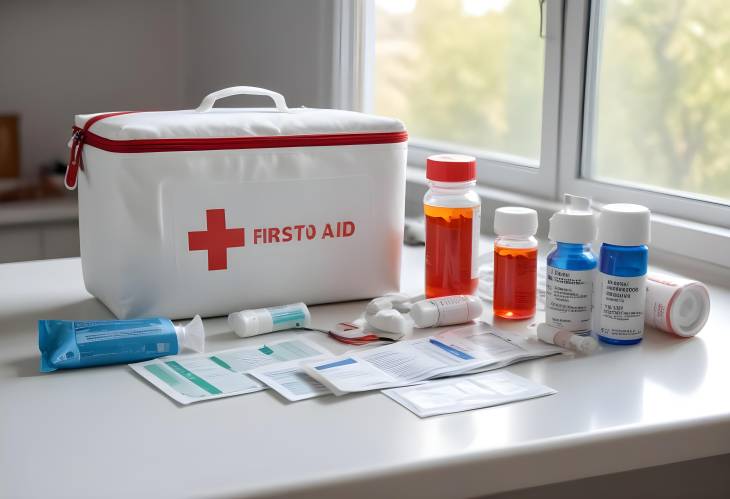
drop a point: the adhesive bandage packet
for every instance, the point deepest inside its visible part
(195, 378)
(465, 393)
(463, 350)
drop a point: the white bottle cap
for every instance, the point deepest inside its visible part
(251, 322)
(425, 314)
(515, 221)
(192, 335)
(624, 224)
(575, 223)
(689, 310)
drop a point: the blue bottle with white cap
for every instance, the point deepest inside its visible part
(571, 266)
(624, 230)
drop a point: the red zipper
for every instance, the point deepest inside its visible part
(84, 136)
(76, 160)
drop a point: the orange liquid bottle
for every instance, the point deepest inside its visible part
(449, 256)
(515, 282)
(452, 210)
(515, 263)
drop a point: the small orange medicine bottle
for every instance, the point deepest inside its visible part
(515, 263)
(452, 209)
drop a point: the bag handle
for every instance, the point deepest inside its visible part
(210, 99)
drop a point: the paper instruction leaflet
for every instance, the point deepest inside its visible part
(194, 378)
(465, 393)
(467, 349)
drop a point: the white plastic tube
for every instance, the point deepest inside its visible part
(248, 323)
(675, 305)
(446, 310)
(578, 342)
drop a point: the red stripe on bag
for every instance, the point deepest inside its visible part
(82, 136)
(220, 143)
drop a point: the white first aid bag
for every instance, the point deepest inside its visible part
(210, 211)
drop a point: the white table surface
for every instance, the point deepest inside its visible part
(103, 432)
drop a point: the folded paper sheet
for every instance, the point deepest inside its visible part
(463, 350)
(464, 393)
(194, 378)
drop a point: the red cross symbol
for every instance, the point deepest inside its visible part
(217, 239)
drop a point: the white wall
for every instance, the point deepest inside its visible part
(60, 58)
(283, 45)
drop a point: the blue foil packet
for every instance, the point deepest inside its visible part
(72, 344)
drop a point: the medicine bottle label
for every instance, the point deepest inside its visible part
(658, 297)
(622, 303)
(476, 224)
(569, 298)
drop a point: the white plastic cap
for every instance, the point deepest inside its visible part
(515, 221)
(192, 335)
(251, 322)
(575, 223)
(624, 224)
(690, 310)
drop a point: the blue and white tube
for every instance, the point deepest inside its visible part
(72, 344)
(248, 323)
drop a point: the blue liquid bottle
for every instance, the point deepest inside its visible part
(571, 267)
(624, 230)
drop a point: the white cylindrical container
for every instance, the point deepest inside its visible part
(266, 320)
(446, 310)
(675, 305)
(580, 342)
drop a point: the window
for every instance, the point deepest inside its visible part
(472, 76)
(468, 73)
(619, 100)
(660, 111)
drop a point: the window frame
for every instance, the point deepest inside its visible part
(354, 65)
(583, 24)
(681, 225)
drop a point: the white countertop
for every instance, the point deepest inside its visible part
(103, 432)
(62, 209)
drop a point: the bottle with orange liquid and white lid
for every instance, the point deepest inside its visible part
(515, 263)
(452, 210)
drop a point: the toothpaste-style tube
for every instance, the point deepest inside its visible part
(247, 323)
(72, 344)
(676, 305)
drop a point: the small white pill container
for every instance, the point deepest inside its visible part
(676, 305)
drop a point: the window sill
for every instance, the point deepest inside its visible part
(690, 248)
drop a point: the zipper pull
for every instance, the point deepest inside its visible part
(75, 160)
